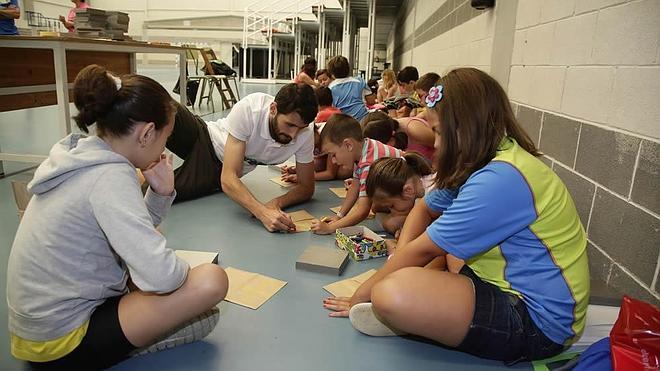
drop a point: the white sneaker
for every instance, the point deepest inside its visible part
(364, 320)
(195, 329)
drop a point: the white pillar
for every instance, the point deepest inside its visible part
(372, 37)
(346, 35)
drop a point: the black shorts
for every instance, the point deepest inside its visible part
(104, 343)
(502, 328)
(199, 175)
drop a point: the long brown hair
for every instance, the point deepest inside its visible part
(389, 174)
(474, 116)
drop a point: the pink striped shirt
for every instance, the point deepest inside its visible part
(372, 150)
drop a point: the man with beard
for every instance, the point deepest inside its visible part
(259, 130)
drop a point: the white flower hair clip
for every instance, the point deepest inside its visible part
(434, 96)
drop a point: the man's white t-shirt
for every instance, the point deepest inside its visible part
(248, 122)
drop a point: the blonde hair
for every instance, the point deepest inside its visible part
(389, 78)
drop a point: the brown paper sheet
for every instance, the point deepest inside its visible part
(251, 289)
(348, 286)
(278, 180)
(340, 192)
(302, 219)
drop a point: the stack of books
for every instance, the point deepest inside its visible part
(99, 23)
(117, 25)
(90, 22)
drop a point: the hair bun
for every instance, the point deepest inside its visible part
(94, 91)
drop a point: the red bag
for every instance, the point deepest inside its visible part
(635, 337)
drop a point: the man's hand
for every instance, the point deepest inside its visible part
(276, 220)
(160, 175)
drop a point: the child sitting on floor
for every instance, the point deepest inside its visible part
(408, 133)
(524, 289)
(88, 235)
(343, 141)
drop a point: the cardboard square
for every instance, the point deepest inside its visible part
(302, 219)
(347, 287)
(336, 209)
(21, 194)
(339, 191)
(323, 260)
(278, 180)
(249, 289)
(195, 258)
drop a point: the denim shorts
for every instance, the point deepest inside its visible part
(502, 328)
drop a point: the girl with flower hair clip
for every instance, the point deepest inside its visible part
(523, 291)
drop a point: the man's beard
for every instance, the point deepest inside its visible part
(278, 136)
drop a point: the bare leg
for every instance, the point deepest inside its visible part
(426, 302)
(144, 317)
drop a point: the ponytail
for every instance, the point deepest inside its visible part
(381, 127)
(390, 174)
(116, 103)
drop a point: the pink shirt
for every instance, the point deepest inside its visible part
(372, 150)
(423, 150)
(72, 14)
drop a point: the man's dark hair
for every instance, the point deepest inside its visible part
(324, 96)
(408, 74)
(338, 67)
(298, 98)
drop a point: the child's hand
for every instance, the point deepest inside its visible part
(320, 227)
(330, 219)
(291, 178)
(276, 220)
(338, 305)
(160, 175)
(348, 183)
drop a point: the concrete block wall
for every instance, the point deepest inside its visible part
(438, 36)
(584, 80)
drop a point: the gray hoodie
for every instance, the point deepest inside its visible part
(85, 230)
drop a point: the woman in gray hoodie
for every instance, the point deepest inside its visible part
(90, 280)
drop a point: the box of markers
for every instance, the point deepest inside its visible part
(360, 242)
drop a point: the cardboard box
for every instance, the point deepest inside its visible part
(323, 260)
(370, 246)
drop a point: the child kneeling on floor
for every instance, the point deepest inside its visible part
(343, 141)
(524, 290)
(88, 235)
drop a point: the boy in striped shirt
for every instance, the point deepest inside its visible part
(343, 141)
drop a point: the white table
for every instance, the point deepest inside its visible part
(39, 71)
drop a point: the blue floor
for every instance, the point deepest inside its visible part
(291, 331)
